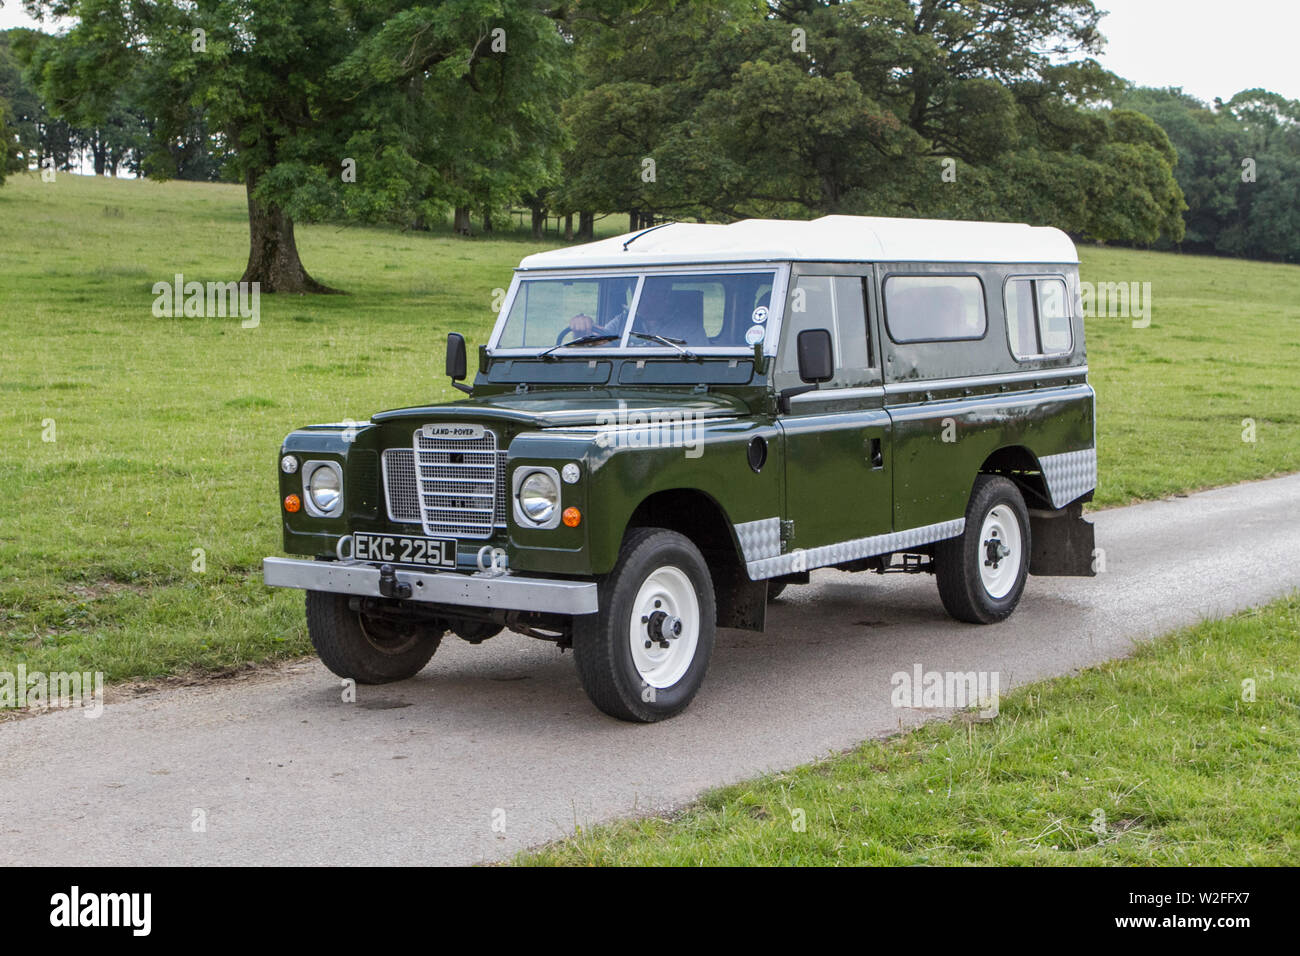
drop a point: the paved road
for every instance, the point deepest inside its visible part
(418, 772)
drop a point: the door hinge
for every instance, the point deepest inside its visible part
(787, 533)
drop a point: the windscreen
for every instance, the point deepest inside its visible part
(547, 312)
(673, 311)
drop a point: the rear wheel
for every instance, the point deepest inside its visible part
(982, 573)
(367, 649)
(643, 655)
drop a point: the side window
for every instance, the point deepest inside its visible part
(1022, 325)
(851, 316)
(934, 308)
(1054, 317)
(834, 303)
(811, 307)
(1038, 317)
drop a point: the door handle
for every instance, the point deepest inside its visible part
(875, 454)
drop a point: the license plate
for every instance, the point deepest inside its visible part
(404, 549)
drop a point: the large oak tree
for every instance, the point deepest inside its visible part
(328, 106)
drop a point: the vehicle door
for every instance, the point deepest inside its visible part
(837, 436)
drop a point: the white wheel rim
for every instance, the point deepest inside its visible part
(666, 610)
(999, 551)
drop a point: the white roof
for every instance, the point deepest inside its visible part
(829, 239)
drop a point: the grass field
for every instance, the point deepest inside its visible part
(165, 430)
(1153, 760)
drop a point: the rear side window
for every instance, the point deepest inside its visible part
(934, 308)
(1038, 317)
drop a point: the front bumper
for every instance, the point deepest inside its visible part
(503, 591)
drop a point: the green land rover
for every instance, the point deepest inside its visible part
(668, 428)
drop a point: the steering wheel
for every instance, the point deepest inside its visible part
(564, 333)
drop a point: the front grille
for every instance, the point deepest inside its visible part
(451, 486)
(457, 480)
(501, 490)
(400, 487)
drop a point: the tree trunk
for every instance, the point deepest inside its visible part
(487, 220)
(586, 226)
(568, 227)
(539, 222)
(272, 252)
(460, 224)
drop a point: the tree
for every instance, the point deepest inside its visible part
(295, 88)
(777, 140)
(643, 67)
(1238, 165)
(807, 107)
(1267, 224)
(1209, 147)
(26, 114)
(10, 160)
(1136, 198)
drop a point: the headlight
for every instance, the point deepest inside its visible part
(538, 496)
(323, 482)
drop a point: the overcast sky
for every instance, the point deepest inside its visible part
(1208, 47)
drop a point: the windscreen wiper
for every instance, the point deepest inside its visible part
(585, 340)
(665, 340)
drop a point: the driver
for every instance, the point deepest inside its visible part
(652, 315)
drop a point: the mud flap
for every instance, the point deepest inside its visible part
(742, 603)
(1063, 543)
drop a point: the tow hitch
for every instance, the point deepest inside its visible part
(389, 586)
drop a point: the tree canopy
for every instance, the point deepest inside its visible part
(369, 108)
(883, 107)
(404, 112)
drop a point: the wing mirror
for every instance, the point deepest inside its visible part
(816, 354)
(456, 361)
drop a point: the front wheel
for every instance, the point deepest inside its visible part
(367, 649)
(643, 655)
(982, 573)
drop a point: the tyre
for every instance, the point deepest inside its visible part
(982, 573)
(643, 655)
(367, 649)
(774, 591)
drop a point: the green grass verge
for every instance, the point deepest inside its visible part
(1156, 759)
(1173, 399)
(166, 429)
